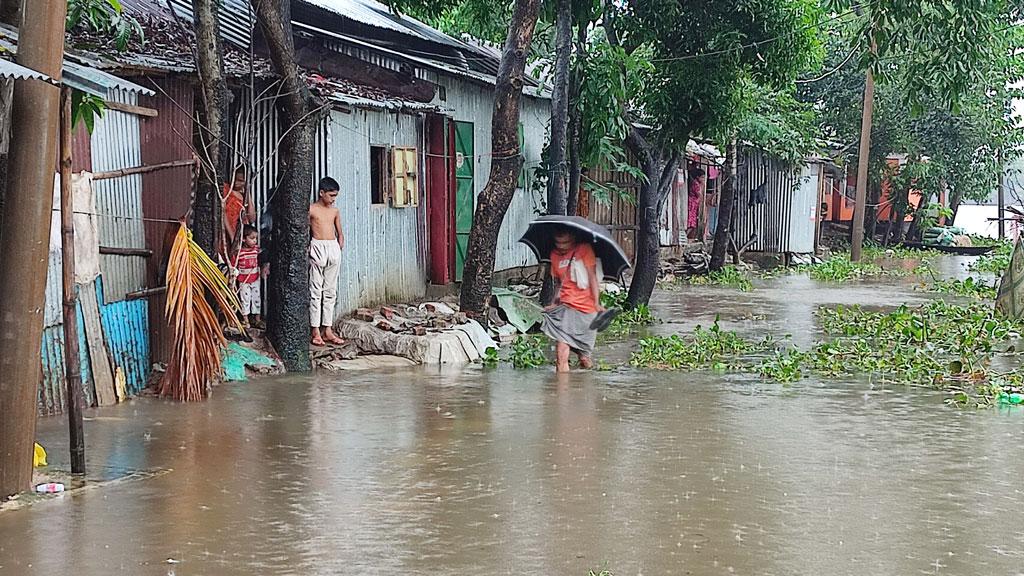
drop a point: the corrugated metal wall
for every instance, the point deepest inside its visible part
(474, 103)
(167, 194)
(778, 216)
(116, 144)
(385, 250)
(126, 331)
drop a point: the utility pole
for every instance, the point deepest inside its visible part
(25, 244)
(1001, 195)
(72, 361)
(860, 200)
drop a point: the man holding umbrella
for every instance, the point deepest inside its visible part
(576, 249)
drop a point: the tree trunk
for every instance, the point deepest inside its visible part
(871, 213)
(506, 160)
(23, 253)
(914, 232)
(727, 199)
(954, 205)
(575, 160)
(558, 179)
(289, 324)
(211, 134)
(660, 171)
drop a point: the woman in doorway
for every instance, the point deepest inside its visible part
(569, 318)
(693, 196)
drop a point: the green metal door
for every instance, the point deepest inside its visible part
(464, 200)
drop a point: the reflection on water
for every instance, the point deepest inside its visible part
(520, 472)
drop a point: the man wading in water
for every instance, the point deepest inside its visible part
(568, 320)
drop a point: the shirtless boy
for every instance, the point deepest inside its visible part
(324, 262)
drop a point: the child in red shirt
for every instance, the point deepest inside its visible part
(249, 278)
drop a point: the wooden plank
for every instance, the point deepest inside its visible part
(143, 252)
(131, 109)
(102, 375)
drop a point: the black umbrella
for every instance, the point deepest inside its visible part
(540, 237)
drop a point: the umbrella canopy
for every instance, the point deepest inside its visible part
(540, 237)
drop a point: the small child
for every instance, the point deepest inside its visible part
(249, 278)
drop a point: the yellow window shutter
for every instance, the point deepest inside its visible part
(404, 177)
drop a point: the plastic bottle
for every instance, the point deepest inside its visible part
(50, 488)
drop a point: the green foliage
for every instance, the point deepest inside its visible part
(611, 76)
(703, 55)
(728, 276)
(774, 120)
(528, 352)
(85, 108)
(104, 17)
(996, 262)
(491, 358)
(784, 366)
(631, 316)
(929, 214)
(706, 347)
(840, 268)
(974, 288)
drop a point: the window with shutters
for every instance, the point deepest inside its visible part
(405, 177)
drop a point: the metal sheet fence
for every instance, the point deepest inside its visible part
(770, 199)
(115, 145)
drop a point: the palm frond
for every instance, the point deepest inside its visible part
(194, 286)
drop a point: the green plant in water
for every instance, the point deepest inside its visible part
(995, 262)
(969, 287)
(490, 358)
(527, 352)
(728, 276)
(840, 268)
(706, 347)
(631, 317)
(784, 366)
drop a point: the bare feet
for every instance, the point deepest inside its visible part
(331, 337)
(586, 362)
(316, 340)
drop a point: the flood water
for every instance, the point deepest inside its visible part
(475, 471)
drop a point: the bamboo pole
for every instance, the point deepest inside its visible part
(141, 169)
(72, 367)
(27, 212)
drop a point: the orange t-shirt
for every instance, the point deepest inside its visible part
(571, 294)
(233, 206)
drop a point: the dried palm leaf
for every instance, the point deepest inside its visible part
(194, 286)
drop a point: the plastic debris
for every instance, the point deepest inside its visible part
(38, 456)
(237, 357)
(50, 488)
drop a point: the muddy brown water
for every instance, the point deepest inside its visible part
(475, 471)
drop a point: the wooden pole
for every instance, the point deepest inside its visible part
(1001, 195)
(860, 200)
(27, 213)
(141, 169)
(72, 367)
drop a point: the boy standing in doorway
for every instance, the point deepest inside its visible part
(324, 262)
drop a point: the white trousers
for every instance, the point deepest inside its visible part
(249, 298)
(324, 265)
